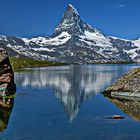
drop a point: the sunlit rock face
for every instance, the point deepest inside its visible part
(6, 106)
(127, 85)
(72, 85)
(7, 85)
(130, 106)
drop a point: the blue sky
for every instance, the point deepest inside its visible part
(26, 18)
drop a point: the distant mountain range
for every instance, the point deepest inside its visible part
(74, 41)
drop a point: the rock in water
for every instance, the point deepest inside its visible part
(7, 85)
(115, 117)
(127, 85)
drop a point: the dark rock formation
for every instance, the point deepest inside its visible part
(127, 85)
(7, 85)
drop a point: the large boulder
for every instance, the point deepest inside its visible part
(7, 85)
(127, 85)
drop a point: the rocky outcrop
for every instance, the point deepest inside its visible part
(127, 85)
(7, 85)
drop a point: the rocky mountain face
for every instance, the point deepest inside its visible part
(74, 41)
(130, 47)
(7, 85)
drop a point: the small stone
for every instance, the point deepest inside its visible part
(117, 117)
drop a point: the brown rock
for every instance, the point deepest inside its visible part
(7, 85)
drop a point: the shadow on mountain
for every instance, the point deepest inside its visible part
(129, 105)
(6, 105)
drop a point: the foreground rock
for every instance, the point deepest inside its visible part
(7, 85)
(127, 85)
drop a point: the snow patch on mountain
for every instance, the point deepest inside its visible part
(137, 42)
(3, 38)
(43, 49)
(43, 41)
(97, 37)
(130, 47)
(118, 38)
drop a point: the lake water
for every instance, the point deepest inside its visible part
(64, 103)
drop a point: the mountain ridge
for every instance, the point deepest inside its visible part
(75, 41)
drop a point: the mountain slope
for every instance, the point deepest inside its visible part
(74, 41)
(130, 47)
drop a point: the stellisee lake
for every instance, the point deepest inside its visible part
(65, 103)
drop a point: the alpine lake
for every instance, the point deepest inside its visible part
(65, 103)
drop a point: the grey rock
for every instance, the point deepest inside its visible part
(127, 85)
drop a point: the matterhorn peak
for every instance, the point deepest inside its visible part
(69, 21)
(71, 8)
(72, 23)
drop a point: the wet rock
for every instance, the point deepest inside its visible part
(127, 85)
(7, 85)
(116, 117)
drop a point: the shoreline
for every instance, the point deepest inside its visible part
(55, 65)
(23, 63)
(126, 86)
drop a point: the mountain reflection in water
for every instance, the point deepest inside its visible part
(72, 85)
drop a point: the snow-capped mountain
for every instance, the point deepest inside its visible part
(130, 47)
(74, 41)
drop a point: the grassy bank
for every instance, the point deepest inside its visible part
(19, 63)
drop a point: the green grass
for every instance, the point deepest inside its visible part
(20, 63)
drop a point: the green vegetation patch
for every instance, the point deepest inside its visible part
(19, 63)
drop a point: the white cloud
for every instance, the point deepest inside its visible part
(120, 6)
